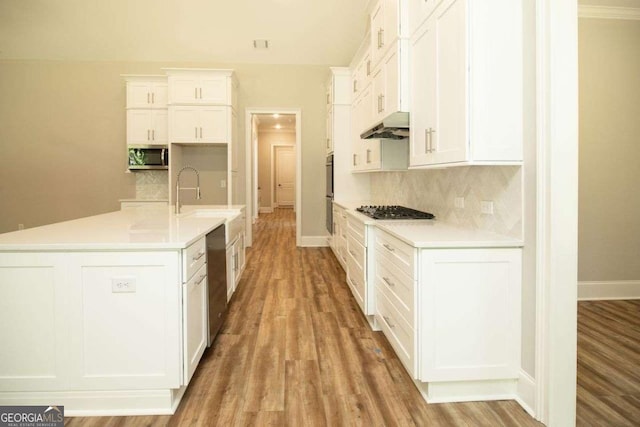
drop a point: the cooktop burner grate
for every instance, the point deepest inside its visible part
(393, 212)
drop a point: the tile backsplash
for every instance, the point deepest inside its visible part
(152, 184)
(435, 190)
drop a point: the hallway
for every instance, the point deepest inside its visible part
(295, 350)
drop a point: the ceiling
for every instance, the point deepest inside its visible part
(319, 32)
(268, 123)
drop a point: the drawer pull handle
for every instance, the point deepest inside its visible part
(201, 279)
(198, 256)
(389, 282)
(389, 248)
(386, 319)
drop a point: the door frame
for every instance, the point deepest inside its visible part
(556, 211)
(273, 173)
(251, 167)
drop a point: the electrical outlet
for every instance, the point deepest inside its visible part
(123, 284)
(459, 202)
(486, 207)
(223, 183)
(20, 226)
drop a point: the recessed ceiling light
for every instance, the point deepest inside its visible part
(277, 126)
(275, 116)
(261, 44)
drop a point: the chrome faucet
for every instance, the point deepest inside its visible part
(197, 187)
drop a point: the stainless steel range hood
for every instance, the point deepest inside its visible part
(394, 126)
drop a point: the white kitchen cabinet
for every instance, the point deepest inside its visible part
(147, 92)
(390, 82)
(361, 75)
(147, 126)
(466, 79)
(192, 124)
(329, 131)
(359, 261)
(200, 87)
(469, 317)
(339, 240)
(235, 141)
(388, 23)
(194, 321)
(381, 155)
(419, 11)
(235, 252)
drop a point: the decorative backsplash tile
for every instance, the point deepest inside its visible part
(435, 190)
(152, 184)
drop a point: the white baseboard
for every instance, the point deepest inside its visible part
(314, 241)
(467, 391)
(526, 393)
(619, 289)
(265, 210)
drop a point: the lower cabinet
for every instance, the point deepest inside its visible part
(194, 321)
(451, 315)
(236, 252)
(339, 240)
(360, 263)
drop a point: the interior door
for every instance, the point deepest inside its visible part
(285, 173)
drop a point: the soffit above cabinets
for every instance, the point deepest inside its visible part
(299, 32)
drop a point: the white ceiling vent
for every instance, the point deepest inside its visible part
(261, 44)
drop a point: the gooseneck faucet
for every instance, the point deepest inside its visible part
(197, 187)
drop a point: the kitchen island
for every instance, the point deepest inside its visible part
(106, 315)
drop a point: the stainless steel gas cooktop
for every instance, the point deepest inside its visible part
(393, 212)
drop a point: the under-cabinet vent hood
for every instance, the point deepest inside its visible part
(394, 126)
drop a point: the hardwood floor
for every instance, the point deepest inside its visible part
(296, 351)
(608, 363)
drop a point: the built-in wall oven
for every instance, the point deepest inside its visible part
(329, 193)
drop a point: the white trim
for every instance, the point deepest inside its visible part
(314, 242)
(251, 165)
(608, 12)
(613, 289)
(526, 392)
(266, 210)
(556, 211)
(467, 391)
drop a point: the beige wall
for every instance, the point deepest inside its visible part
(62, 135)
(609, 174)
(266, 140)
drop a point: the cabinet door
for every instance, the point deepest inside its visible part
(372, 154)
(391, 97)
(449, 139)
(139, 126)
(159, 127)
(378, 93)
(184, 89)
(194, 321)
(377, 32)
(213, 90)
(329, 131)
(235, 144)
(419, 10)
(423, 102)
(139, 94)
(231, 276)
(214, 124)
(185, 126)
(469, 317)
(159, 95)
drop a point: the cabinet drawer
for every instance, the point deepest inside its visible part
(193, 258)
(234, 228)
(356, 251)
(396, 252)
(399, 333)
(398, 288)
(357, 229)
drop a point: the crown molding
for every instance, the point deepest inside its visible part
(609, 12)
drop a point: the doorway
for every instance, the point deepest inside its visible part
(273, 163)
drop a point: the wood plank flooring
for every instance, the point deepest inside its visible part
(608, 363)
(296, 351)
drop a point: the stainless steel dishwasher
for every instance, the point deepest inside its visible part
(217, 280)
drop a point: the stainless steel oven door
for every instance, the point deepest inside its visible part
(329, 203)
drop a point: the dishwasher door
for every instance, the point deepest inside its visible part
(217, 280)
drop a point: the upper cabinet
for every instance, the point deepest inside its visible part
(338, 99)
(388, 23)
(146, 91)
(419, 10)
(466, 83)
(146, 109)
(390, 83)
(207, 87)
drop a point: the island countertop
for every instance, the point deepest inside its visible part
(148, 228)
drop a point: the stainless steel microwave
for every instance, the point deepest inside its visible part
(148, 157)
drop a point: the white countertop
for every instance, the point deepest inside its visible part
(426, 233)
(151, 228)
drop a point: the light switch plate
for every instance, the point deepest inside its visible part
(123, 284)
(223, 183)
